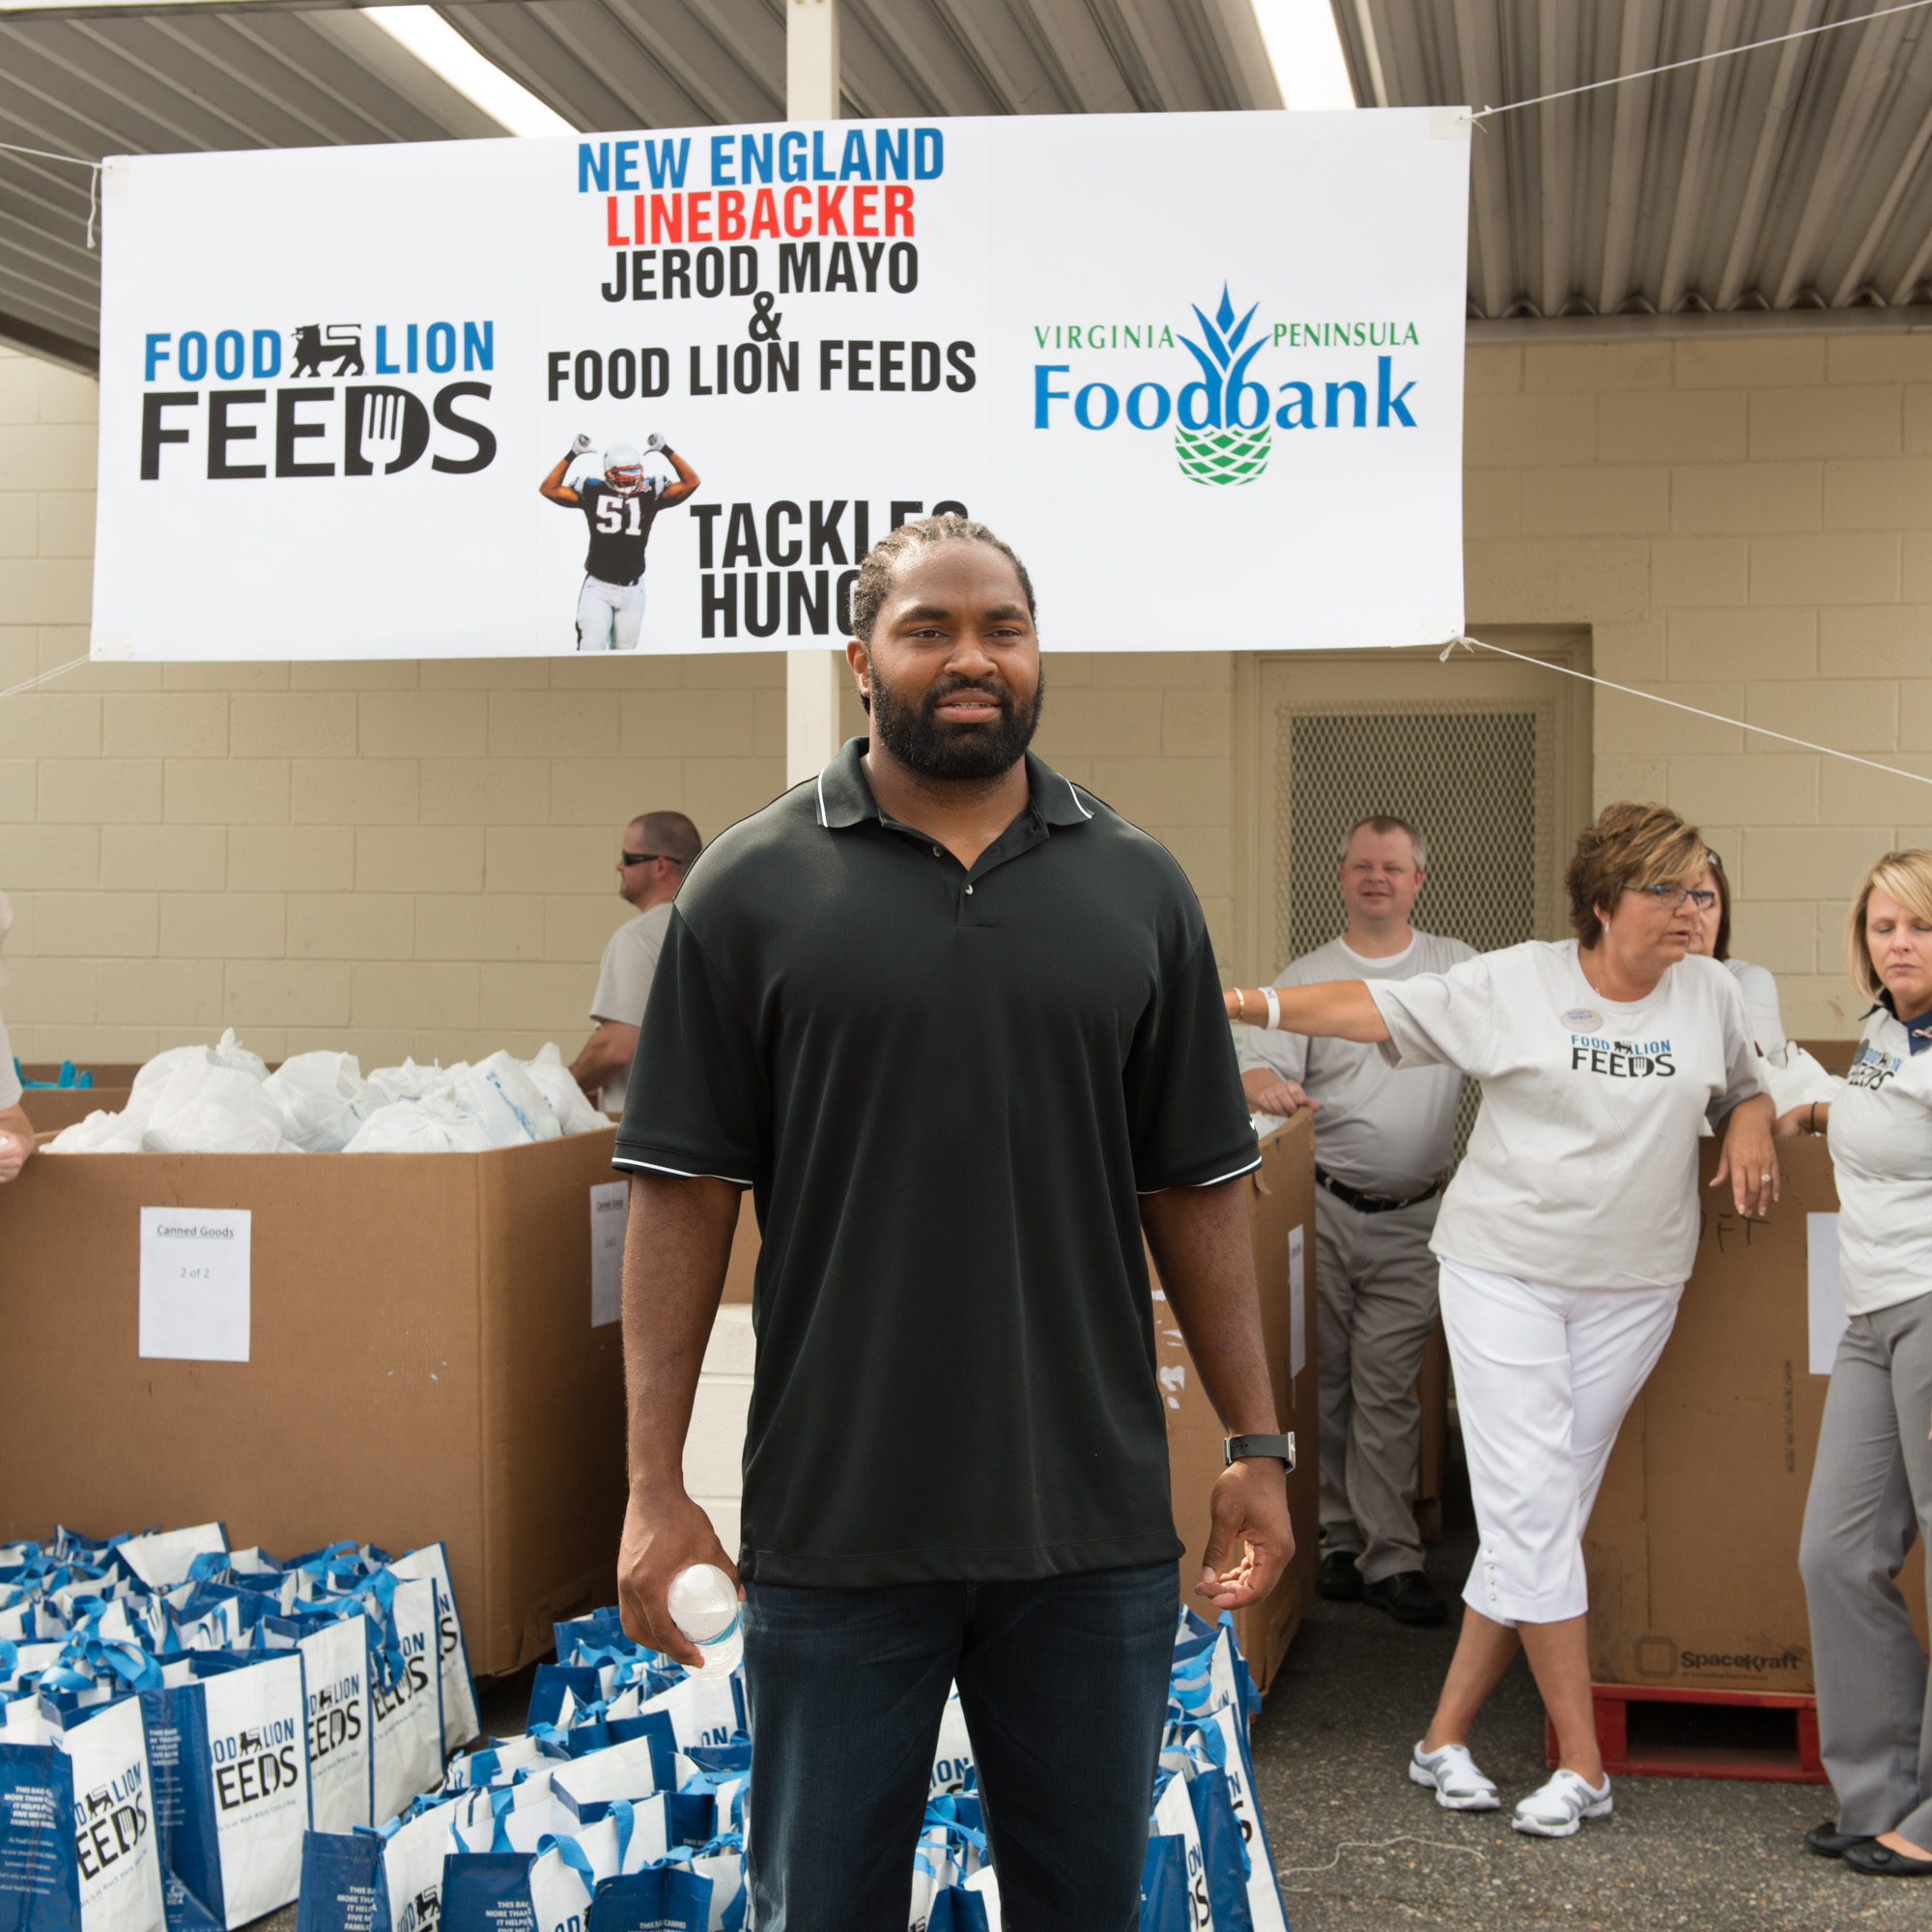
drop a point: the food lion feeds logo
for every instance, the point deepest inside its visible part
(334, 1716)
(110, 1822)
(256, 1762)
(1223, 423)
(422, 1912)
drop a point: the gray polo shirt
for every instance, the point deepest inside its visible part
(624, 981)
(1376, 1129)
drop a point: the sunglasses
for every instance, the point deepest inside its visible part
(641, 857)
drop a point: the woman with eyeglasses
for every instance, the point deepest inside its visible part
(1564, 1239)
(1871, 1485)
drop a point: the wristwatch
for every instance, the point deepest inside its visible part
(1238, 1446)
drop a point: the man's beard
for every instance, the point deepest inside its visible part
(914, 736)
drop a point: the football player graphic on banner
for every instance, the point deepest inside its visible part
(619, 506)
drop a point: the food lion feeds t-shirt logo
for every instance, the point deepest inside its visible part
(1620, 1059)
(1871, 1066)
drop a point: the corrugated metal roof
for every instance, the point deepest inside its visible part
(164, 79)
(1793, 177)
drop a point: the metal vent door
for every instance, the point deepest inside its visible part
(1476, 781)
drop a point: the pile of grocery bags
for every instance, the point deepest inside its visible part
(625, 1804)
(176, 1716)
(223, 1099)
(191, 1735)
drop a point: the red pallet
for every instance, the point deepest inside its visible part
(1796, 1764)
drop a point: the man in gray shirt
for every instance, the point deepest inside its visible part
(1383, 1141)
(656, 849)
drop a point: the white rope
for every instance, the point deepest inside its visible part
(92, 185)
(27, 684)
(1374, 1845)
(1699, 60)
(1716, 717)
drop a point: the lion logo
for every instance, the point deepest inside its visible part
(340, 343)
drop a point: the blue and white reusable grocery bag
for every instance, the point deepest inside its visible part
(337, 1671)
(77, 1838)
(230, 1756)
(460, 1721)
(406, 1749)
(40, 1876)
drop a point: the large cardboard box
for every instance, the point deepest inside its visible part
(49, 1109)
(1693, 1548)
(422, 1365)
(1281, 1215)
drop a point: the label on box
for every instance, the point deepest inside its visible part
(194, 1284)
(1298, 1303)
(1824, 1291)
(610, 1215)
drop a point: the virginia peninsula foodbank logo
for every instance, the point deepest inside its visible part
(1223, 424)
(1223, 449)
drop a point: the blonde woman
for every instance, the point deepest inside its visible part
(1871, 1487)
(1564, 1240)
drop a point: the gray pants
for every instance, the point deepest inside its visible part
(1871, 1491)
(1376, 1282)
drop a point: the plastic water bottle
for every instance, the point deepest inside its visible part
(704, 1605)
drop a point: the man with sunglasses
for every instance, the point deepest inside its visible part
(655, 851)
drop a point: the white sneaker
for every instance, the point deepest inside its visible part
(1561, 1806)
(1451, 1774)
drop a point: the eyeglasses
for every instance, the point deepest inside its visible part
(642, 857)
(1670, 898)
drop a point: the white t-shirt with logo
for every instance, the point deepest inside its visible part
(1582, 1168)
(1376, 1129)
(1881, 1139)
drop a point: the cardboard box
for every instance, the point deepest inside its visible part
(422, 1365)
(49, 1109)
(1281, 1214)
(1693, 1548)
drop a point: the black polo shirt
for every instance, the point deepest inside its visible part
(946, 1089)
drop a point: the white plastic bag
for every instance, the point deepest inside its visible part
(227, 1051)
(407, 1082)
(503, 1095)
(420, 1126)
(207, 1107)
(102, 1132)
(318, 1094)
(575, 1115)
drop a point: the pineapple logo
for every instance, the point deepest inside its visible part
(1218, 447)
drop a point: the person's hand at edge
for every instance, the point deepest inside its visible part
(664, 1532)
(14, 1153)
(1285, 1098)
(1248, 1505)
(1750, 1162)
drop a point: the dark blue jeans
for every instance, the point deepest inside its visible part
(1064, 1686)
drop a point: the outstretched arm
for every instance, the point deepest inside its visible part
(1335, 1009)
(687, 477)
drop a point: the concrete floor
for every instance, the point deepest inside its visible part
(1330, 1751)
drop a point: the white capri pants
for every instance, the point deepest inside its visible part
(1543, 1378)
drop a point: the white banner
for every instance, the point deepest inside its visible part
(1204, 371)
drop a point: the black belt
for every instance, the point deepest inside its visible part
(1371, 1203)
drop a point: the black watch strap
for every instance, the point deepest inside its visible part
(1281, 1446)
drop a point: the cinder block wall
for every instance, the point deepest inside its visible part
(1746, 527)
(402, 858)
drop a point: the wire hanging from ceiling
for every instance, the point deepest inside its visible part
(1476, 116)
(79, 162)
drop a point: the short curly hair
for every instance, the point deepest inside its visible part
(881, 563)
(1629, 847)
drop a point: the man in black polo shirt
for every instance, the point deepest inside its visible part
(959, 1026)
